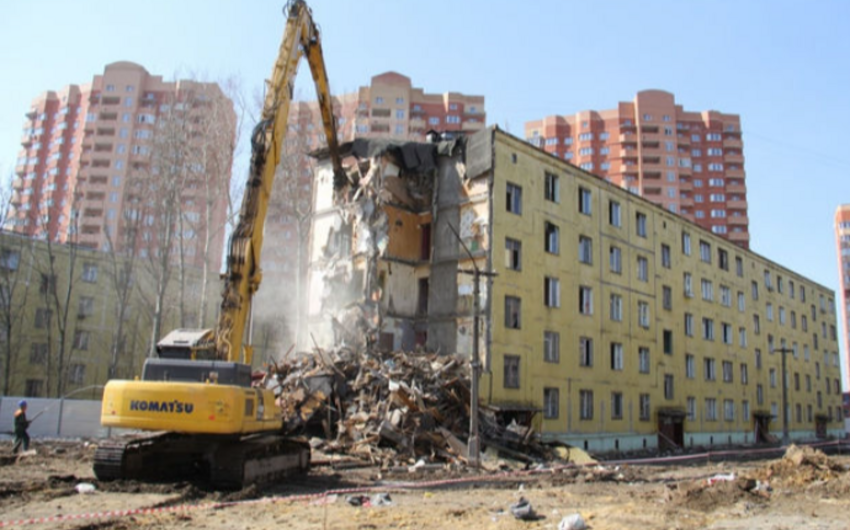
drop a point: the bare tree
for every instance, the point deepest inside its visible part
(13, 293)
(56, 295)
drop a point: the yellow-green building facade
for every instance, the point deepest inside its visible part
(612, 323)
(650, 320)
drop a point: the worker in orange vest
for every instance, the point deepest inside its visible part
(21, 426)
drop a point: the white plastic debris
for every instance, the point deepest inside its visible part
(572, 522)
(85, 487)
(720, 477)
(522, 510)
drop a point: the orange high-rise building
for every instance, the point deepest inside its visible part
(842, 242)
(84, 144)
(691, 163)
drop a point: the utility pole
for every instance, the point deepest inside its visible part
(786, 439)
(474, 444)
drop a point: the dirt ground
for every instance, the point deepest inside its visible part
(804, 489)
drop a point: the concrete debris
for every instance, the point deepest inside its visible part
(572, 522)
(394, 409)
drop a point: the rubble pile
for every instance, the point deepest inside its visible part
(801, 466)
(390, 409)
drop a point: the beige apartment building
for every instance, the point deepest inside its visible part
(108, 163)
(689, 162)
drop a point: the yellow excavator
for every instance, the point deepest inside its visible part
(197, 398)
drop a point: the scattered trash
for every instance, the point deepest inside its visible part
(85, 487)
(359, 500)
(720, 477)
(382, 499)
(572, 522)
(523, 510)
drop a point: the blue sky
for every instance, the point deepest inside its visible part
(783, 66)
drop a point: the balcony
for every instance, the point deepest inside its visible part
(736, 205)
(740, 220)
(652, 160)
(733, 159)
(650, 144)
(108, 131)
(734, 173)
(649, 129)
(732, 143)
(110, 100)
(651, 175)
(736, 188)
(652, 191)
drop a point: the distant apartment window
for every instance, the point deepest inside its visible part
(614, 214)
(643, 315)
(705, 251)
(10, 259)
(512, 312)
(688, 285)
(399, 114)
(689, 324)
(615, 259)
(643, 360)
(723, 259)
(552, 292)
(552, 191)
(586, 404)
(616, 356)
(686, 243)
(707, 328)
(709, 369)
(128, 102)
(642, 269)
(452, 119)
(550, 403)
(379, 100)
(433, 120)
(690, 370)
(584, 201)
(551, 346)
(616, 310)
(643, 401)
(89, 273)
(665, 256)
(585, 250)
(514, 198)
(513, 254)
(739, 267)
(81, 340)
(667, 297)
(511, 375)
(110, 88)
(585, 300)
(640, 219)
(551, 242)
(668, 341)
(616, 405)
(585, 351)
(668, 386)
(707, 290)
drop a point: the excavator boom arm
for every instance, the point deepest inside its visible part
(243, 275)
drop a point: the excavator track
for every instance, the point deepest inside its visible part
(226, 462)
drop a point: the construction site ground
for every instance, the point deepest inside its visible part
(803, 489)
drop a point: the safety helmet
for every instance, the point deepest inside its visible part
(22, 403)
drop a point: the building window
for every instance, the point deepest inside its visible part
(614, 214)
(739, 267)
(514, 199)
(690, 368)
(42, 318)
(85, 306)
(668, 386)
(643, 315)
(643, 404)
(692, 408)
(709, 369)
(726, 333)
(705, 251)
(551, 346)
(9, 259)
(550, 403)
(512, 312)
(643, 360)
(585, 351)
(551, 241)
(710, 409)
(727, 371)
(77, 374)
(668, 342)
(667, 297)
(728, 410)
(725, 296)
(772, 376)
(742, 305)
(686, 243)
(38, 353)
(665, 256)
(689, 324)
(552, 292)
(584, 201)
(89, 273)
(615, 259)
(586, 404)
(616, 308)
(642, 269)
(513, 254)
(585, 250)
(742, 337)
(81, 340)
(616, 356)
(640, 224)
(688, 284)
(707, 328)
(616, 405)
(585, 300)
(707, 290)
(553, 188)
(511, 371)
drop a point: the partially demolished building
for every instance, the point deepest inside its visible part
(593, 325)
